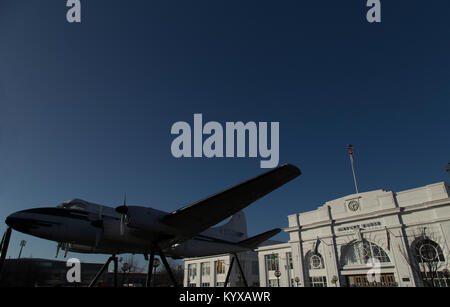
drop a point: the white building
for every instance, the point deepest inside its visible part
(407, 233)
(211, 271)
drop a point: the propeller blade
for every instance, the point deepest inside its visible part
(66, 249)
(58, 247)
(122, 224)
(123, 210)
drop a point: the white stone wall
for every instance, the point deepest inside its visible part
(246, 260)
(403, 215)
(267, 277)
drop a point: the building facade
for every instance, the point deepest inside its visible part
(376, 238)
(277, 266)
(212, 271)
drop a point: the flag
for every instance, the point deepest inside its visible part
(316, 247)
(388, 240)
(274, 263)
(350, 150)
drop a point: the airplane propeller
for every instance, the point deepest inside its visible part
(99, 225)
(58, 247)
(64, 247)
(123, 210)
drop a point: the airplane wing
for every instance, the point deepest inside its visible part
(205, 213)
(255, 241)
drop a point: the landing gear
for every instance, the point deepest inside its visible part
(150, 267)
(4, 247)
(240, 270)
(104, 267)
(155, 249)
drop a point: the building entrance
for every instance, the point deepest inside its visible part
(386, 280)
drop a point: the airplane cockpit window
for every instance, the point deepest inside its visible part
(79, 204)
(75, 204)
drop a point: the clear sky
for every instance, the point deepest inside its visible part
(86, 109)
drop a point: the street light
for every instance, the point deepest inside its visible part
(125, 267)
(156, 263)
(277, 275)
(334, 280)
(22, 244)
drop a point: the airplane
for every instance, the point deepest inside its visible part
(84, 227)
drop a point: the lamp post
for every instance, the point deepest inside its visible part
(22, 244)
(156, 264)
(277, 275)
(334, 280)
(125, 268)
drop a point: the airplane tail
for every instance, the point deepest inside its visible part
(255, 241)
(235, 229)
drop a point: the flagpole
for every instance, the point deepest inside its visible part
(350, 149)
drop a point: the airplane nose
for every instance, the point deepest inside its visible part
(8, 221)
(12, 220)
(18, 222)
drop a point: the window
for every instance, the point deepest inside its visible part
(191, 285)
(274, 283)
(359, 253)
(192, 270)
(220, 267)
(272, 263)
(314, 261)
(289, 260)
(205, 268)
(318, 281)
(385, 280)
(431, 262)
(426, 250)
(220, 284)
(205, 284)
(442, 279)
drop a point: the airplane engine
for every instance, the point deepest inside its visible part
(144, 218)
(78, 248)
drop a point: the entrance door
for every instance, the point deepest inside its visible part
(386, 280)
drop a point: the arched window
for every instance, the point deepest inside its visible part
(430, 261)
(314, 261)
(360, 252)
(426, 250)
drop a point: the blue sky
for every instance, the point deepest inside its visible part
(86, 109)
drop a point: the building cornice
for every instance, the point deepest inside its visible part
(374, 214)
(272, 247)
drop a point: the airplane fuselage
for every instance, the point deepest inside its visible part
(79, 231)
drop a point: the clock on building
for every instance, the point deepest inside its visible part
(353, 205)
